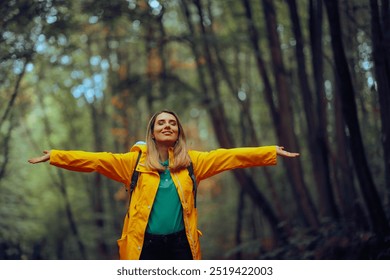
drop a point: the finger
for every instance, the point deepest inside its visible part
(289, 154)
(35, 160)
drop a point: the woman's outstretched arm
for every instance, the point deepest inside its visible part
(114, 166)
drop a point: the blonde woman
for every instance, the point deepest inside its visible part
(162, 217)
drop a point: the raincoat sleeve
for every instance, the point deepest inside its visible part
(115, 166)
(207, 164)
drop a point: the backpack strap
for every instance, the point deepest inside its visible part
(193, 178)
(134, 179)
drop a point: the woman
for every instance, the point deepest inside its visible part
(162, 218)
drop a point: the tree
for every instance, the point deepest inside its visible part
(316, 124)
(348, 104)
(380, 24)
(218, 117)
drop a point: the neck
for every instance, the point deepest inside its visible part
(163, 152)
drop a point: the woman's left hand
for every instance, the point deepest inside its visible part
(40, 159)
(281, 152)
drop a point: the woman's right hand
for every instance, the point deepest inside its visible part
(40, 159)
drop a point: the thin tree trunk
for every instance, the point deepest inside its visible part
(315, 133)
(370, 194)
(247, 123)
(218, 119)
(285, 123)
(97, 117)
(344, 175)
(301, 199)
(97, 186)
(254, 38)
(380, 27)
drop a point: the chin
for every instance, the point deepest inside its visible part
(170, 143)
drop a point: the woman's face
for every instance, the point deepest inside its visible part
(166, 129)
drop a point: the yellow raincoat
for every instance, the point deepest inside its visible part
(120, 167)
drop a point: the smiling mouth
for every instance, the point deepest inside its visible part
(167, 133)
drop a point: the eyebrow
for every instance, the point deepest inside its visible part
(164, 120)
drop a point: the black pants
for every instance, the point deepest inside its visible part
(166, 247)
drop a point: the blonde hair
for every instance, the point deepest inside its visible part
(180, 151)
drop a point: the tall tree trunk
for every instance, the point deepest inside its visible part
(316, 131)
(218, 119)
(247, 124)
(254, 38)
(374, 205)
(343, 181)
(380, 26)
(97, 117)
(97, 186)
(285, 122)
(344, 172)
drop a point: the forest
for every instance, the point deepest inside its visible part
(311, 75)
